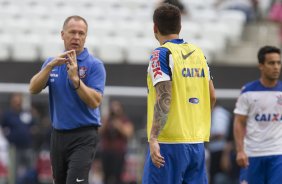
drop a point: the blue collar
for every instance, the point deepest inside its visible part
(83, 55)
(176, 41)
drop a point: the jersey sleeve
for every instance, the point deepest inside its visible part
(43, 66)
(97, 77)
(242, 105)
(159, 68)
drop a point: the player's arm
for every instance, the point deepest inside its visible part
(211, 87)
(239, 131)
(161, 110)
(212, 94)
(39, 80)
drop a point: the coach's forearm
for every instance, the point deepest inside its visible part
(88, 95)
(38, 81)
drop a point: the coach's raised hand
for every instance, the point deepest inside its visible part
(72, 66)
(60, 60)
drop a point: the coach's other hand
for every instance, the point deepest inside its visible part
(60, 60)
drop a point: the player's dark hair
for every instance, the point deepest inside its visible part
(75, 17)
(167, 18)
(266, 50)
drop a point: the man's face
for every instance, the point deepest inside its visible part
(74, 35)
(271, 67)
(16, 102)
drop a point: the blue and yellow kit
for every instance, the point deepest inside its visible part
(189, 115)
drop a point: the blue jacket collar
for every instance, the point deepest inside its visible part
(176, 41)
(83, 55)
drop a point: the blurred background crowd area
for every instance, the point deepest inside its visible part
(121, 34)
(224, 29)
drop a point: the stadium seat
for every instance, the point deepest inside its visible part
(140, 50)
(6, 39)
(45, 26)
(25, 48)
(118, 13)
(207, 47)
(9, 10)
(51, 47)
(4, 53)
(15, 25)
(235, 20)
(34, 10)
(111, 50)
(217, 33)
(102, 28)
(147, 29)
(190, 30)
(92, 44)
(204, 15)
(25, 52)
(128, 29)
(92, 13)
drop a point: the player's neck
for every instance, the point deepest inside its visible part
(267, 82)
(163, 39)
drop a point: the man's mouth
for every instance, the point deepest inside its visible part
(75, 45)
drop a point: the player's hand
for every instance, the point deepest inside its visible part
(242, 159)
(60, 60)
(157, 158)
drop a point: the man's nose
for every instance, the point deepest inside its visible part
(76, 35)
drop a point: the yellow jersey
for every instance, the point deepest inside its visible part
(189, 115)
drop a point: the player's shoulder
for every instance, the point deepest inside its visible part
(251, 86)
(256, 86)
(161, 50)
(279, 85)
(159, 53)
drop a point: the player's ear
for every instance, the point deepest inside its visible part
(155, 28)
(260, 66)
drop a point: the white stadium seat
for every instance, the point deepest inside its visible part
(25, 48)
(235, 20)
(4, 52)
(50, 47)
(111, 49)
(22, 51)
(139, 50)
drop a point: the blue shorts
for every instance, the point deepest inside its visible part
(261, 170)
(184, 163)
